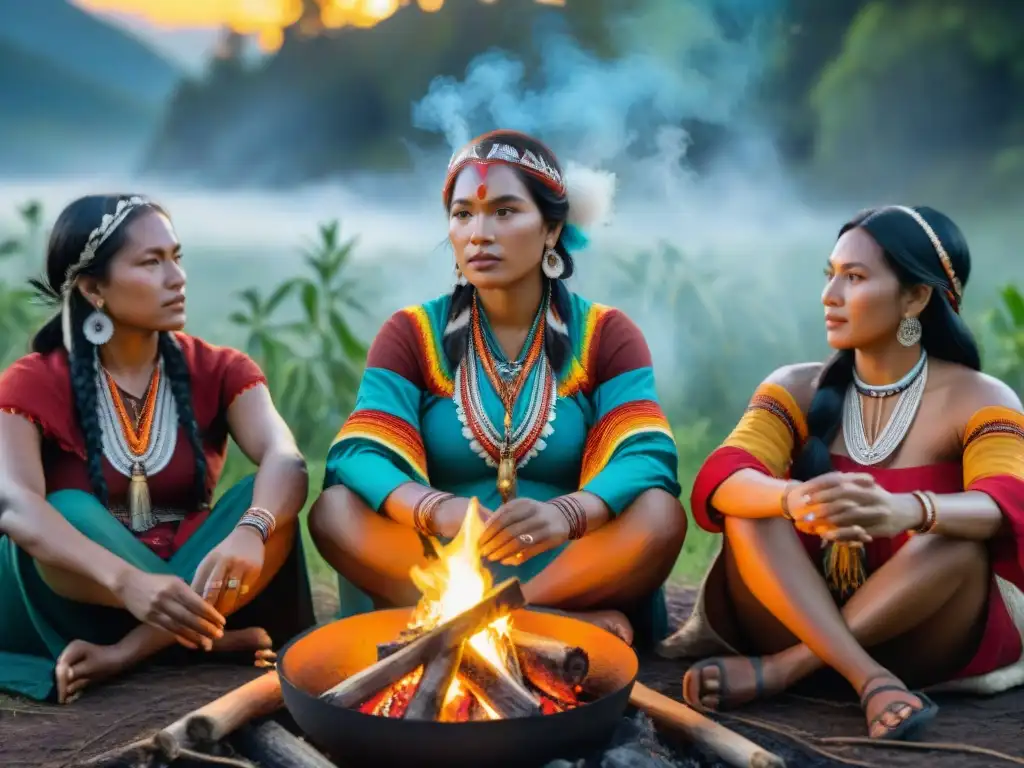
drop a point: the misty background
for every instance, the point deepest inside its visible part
(303, 165)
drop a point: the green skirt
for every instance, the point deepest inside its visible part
(37, 624)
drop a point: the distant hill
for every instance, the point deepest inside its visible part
(343, 100)
(74, 89)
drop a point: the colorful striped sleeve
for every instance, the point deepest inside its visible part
(630, 447)
(993, 463)
(379, 447)
(767, 437)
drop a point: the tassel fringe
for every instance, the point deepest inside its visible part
(845, 569)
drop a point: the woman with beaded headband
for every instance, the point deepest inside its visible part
(872, 507)
(513, 390)
(113, 434)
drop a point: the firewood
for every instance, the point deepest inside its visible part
(271, 745)
(495, 687)
(362, 685)
(437, 677)
(553, 667)
(387, 649)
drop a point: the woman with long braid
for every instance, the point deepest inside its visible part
(872, 507)
(516, 391)
(113, 434)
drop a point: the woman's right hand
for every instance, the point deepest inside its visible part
(169, 603)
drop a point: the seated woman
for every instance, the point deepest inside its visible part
(873, 507)
(113, 435)
(511, 381)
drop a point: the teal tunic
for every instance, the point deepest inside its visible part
(605, 434)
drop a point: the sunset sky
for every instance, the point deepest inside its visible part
(185, 29)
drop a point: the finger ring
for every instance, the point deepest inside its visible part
(233, 583)
(519, 557)
(526, 539)
(216, 584)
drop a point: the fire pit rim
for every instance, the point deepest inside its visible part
(287, 682)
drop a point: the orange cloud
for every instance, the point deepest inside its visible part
(263, 18)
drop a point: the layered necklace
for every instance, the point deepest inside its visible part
(512, 446)
(142, 447)
(910, 389)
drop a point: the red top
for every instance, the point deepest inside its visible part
(38, 387)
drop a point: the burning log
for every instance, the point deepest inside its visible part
(429, 698)
(496, 688)
(554, 668)
(364, 684)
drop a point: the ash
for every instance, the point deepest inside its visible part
(635, 744)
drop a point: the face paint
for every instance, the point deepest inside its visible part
(481, 171)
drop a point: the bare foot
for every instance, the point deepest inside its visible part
(82, 663)
(888, 705)
(728, 682)
(610, 621)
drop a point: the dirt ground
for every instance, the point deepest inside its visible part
(792, 726)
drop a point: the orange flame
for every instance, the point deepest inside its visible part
(266, 19)
(455, 582)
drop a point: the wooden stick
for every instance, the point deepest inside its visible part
(437, 677)
(730, 746)
(271, 745)
(496, 687)
(212, 722)
(351, 691)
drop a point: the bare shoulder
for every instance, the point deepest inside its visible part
(968, 391)
(800, 380)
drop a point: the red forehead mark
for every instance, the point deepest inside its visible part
(481, 170)
(481, 192)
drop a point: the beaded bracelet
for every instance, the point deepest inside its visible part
(260, 519)
(423, 512)
(574, 513)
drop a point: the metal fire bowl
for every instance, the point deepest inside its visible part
(322, 657)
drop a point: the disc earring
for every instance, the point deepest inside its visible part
(553, 264)
(909, 332)
(98, 328)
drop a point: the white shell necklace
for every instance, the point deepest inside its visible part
(896, 428)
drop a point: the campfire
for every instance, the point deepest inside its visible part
(460, 658)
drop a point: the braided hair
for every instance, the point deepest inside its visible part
(913, 258)
(67, 241)
(554, 209)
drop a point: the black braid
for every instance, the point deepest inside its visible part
(179, 379)
(557, 345)
(456, 342)
(84, 368)
(824, 417)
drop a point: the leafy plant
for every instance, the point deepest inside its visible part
(20, 315)
(1006, 325)
(313, 363)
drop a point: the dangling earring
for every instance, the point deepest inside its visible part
(553, 265)
(98, 328)
(460, 279)
(909, 332)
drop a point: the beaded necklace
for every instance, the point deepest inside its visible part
(510, 448)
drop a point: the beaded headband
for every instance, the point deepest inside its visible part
(955, 293)
(108, 225)
(506, 154)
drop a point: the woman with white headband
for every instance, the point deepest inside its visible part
(113, 435)
(872, 507)
(516, 391)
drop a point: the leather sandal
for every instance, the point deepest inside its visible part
(909, 728)
(723, 687)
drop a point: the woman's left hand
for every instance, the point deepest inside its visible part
(521, 529)
(230, 569)
(844, 506)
